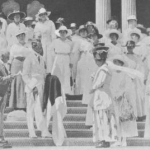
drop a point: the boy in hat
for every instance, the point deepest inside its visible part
(104, 130)
(34, 73)
(14, 27)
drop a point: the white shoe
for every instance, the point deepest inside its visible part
(32, 136)
(116, 144)
(124, 144)
(46, 134)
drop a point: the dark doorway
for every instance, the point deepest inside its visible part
(143, 12)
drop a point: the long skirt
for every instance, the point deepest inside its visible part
(17, 97)
(127, 128)
(61, 69)
(81, 74)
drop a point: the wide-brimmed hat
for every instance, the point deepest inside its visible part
(148, 30)
(135, 31)
(101, 46)
(60, 20)
(63, 28)
(73, 25)
(132, 17)
(90, 23)
(120, 58)
(82, 27)
(113, 31)
(95, 33)
(20, 32)
(111, 19)
(28, 19)
(11, 15)
(102, 50)
(43, 11)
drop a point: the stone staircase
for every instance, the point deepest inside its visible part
(78, 134)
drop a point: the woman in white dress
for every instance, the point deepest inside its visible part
(14, 27)
(18, 53)
(61, 50)
(84, 47)
(135, 62)
(114, 37)
(47, 29)
(104, 127)
(124, 97)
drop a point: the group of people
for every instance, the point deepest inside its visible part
(110, 69)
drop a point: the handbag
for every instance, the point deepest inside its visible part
(126, 110)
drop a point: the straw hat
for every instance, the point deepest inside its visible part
(20, 32)
(111, 19)
(115, 31)
(73, 25)
(132, 17)
(95, 33)
(102, 50)
(135, 31)
(63, 28)
(101, 46)
(60, 20)
(120, 58)
(11, 15)
(43, 11)
(89, 23)
(28, 19)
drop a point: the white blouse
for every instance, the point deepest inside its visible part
(11, 32)
(61, 47)
(18, 50)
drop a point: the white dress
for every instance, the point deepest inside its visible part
(121, 84)
(84, 47)
(61, 50)
(11, 33)
(47, 30)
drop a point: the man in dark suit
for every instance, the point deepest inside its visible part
(5, 80)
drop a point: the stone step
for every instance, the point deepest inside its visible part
(76, 110)
(75, 103)
(67, 125)
(26, 142)
(10, 133)
(68, 117)
(70, 110)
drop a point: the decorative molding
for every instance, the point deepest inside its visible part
(10, 6)
(33, 8)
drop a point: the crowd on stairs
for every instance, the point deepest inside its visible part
(41, 66)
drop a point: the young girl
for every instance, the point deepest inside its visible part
(104, 128)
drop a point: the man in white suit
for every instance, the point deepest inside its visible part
(34, 73)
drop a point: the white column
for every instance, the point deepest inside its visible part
(128, 8)
(103, 13)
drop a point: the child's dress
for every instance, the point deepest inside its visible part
(104, 127)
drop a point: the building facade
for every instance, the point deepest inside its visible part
(81, 11)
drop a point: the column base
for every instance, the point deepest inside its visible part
(5, 144)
